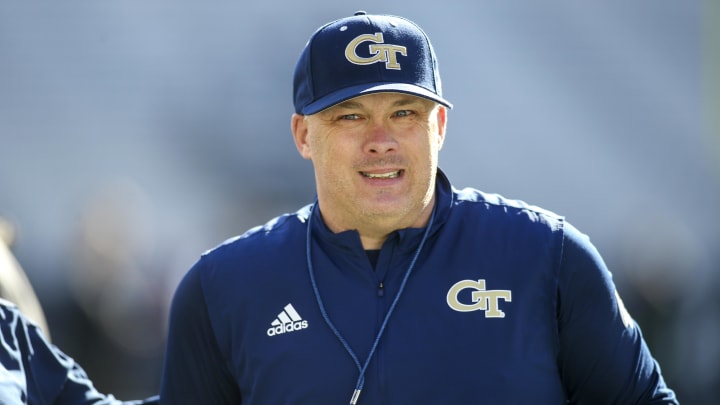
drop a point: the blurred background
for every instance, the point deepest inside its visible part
(135, 135)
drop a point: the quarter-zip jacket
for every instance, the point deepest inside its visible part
(506, 304)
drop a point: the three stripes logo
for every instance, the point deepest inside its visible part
(287, 321)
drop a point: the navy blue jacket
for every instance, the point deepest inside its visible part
(506, 304)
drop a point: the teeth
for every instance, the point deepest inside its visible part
(390, 175)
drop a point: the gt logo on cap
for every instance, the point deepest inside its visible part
(382, 52)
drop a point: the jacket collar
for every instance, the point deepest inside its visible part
(403, 239)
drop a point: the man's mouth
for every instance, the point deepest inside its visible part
(386, 175)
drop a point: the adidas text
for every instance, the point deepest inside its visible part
(287, 327)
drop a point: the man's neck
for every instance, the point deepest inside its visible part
(373, 235)
(374, 230)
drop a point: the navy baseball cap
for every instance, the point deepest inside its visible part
(365, 54)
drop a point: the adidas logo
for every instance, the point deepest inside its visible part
(287, 321)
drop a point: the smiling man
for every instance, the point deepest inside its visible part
(394, 287)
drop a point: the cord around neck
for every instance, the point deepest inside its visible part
(311, 272)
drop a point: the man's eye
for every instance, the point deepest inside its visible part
(349, 117)
(403, 113)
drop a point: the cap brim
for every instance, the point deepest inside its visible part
(369, 88)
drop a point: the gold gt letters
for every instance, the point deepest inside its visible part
(483, 300)
(382, 52)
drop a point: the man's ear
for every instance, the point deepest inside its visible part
(299, 128)
(442, 125)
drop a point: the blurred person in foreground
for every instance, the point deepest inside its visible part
(393, 286)
(14, 283)
(32, 369)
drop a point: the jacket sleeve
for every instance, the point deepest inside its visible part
(195, 370)
(603, 356)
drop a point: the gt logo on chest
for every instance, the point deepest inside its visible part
(481, 298)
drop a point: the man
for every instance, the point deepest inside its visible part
(394, 287)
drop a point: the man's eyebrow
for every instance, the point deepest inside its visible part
(407, 101)
(350, 104)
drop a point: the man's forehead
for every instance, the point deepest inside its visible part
(390, 98)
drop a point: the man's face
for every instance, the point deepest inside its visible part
(375, 158)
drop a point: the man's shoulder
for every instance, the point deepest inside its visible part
(513, 228)
(276, 230)
(269, 242)
(499, 206)
(244, 268)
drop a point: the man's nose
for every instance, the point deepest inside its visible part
(380, 140)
